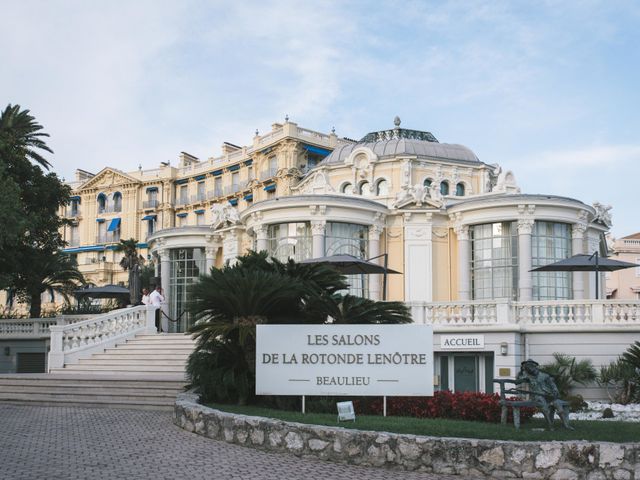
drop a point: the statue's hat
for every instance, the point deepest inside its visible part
(529, 360)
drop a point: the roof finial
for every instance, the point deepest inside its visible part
(286, 117)
(396, 121)
(333, 130)
(257, 132)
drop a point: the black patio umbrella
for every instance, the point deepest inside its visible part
(108, 291)
(350, 265)
(586, 263)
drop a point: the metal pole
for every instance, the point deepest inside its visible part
(597, 275)
(384, 278)
(303, 409)
(384, 406)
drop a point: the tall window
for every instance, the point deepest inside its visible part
(494, 262)
(365, 189)
(150, 227)
(346, 188)
(444, 187)
(117, 202)
(75, 211)
(427, 182)
(102, 232)
(235, 181)
(273, 166)
(201, 193)
(102, 203)
(350, 239)
(200, 218)
(290, 240)
(183, 195)
(217, 186)
(74, 236)
(550, 242)
(185, 267)
(382, 188)
(460, 190)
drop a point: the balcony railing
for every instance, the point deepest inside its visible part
(73, 213)
(218, 192)
(109, 237)
(110, 209)
(198, 197)
(527, 316)
(150, 204)
(182, 201)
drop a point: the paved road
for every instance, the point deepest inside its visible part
(80, 443)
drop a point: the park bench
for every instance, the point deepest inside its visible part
(516, 405)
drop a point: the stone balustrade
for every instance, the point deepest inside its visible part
(70, 343)
(34, 328)
(524, 316)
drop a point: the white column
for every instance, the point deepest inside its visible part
(418, 254)
(317, 236)
(525, 226)
(374, 251)
(210, 258)
(164, 282)
(577, 246)
(464, 263)
(262, 242)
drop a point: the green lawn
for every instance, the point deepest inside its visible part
(584, 430)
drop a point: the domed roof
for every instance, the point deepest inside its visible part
(400, 141)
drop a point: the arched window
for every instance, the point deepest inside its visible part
(427, 182)
(102, 203)
(346, 188)
(460, 190)
(365, 189)
(444, 188)
(382, 188)
(117, 202)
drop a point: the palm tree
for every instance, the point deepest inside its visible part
(228, 303)
(567, 371)
(20, 136)
(131, 262)
(58, 272)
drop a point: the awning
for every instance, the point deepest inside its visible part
(92, 248)
(181, 215)
(75, 197)
(180, 182)
(149, 217)
(152, 189)
(233, 201)
(270, 188)
(320, 151)
(217, 173)
(199, 212)
(113, 226)
(248, 162)
(249, 198)
(233, 168)
(199, 177)
(99, 220)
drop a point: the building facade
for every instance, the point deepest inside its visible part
(460, 231)
(625, 284)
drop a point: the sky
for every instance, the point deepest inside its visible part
(549, 89)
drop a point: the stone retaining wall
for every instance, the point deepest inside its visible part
(468, 457)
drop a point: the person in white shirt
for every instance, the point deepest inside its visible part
(157, 299)
(145, 297)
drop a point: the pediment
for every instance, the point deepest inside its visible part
(108, 178)
(317, 182)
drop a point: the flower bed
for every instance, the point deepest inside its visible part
(475, 406)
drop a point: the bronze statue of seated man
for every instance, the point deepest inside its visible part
(544, 392)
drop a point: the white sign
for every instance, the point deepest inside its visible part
(462, 342)
(374, 360)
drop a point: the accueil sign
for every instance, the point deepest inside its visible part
(380, 360)
(461, 342)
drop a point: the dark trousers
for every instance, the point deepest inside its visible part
(158, 323)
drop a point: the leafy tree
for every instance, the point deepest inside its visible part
(28, 245)
(228, 303)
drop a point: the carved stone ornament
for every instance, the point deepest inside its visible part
(506, 181)
(602, 214)
(317, 182)
(419, 195)
(224, 215)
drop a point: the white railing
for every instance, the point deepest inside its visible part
(524, 315)
(32, 328)
(70, 343)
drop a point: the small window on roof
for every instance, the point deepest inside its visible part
(427, 182)
(382, 188)
(346, 188)
(365, 189)
(460, 190)
(444, 187)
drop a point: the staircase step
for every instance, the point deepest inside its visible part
(93, 390)
(94, 401)
(127, 368)
(134, 363)
(146, 348)
(126, 355)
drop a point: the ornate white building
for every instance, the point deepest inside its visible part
(460, 231)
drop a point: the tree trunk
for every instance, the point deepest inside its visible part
(35, 306)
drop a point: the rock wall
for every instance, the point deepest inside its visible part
(468, 457)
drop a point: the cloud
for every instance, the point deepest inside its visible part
(594, 156)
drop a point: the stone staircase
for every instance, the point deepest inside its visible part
(146, 372)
